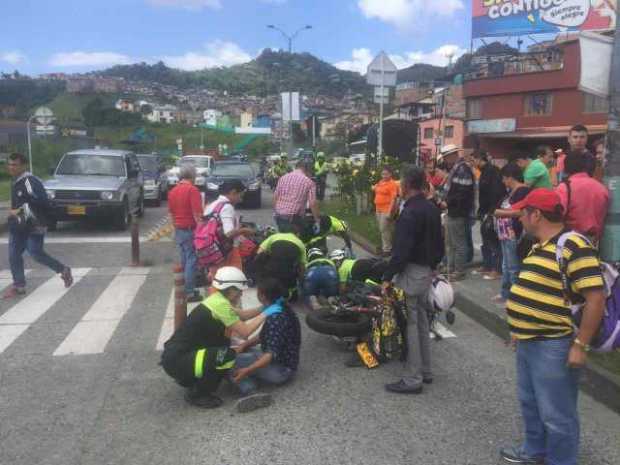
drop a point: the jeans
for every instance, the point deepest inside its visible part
(547, 391)
(33, 243)
(457, 231)
(184, 239)
(321, 280)
(415, 281)
(271, 374)
(510, 265)
(469, 251)
(284, 223)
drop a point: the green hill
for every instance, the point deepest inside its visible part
(269, 73)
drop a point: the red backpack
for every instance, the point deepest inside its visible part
(211, 244)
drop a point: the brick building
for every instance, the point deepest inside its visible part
(516, 102)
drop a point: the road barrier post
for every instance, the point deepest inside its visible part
(180, 302)
(135, 242)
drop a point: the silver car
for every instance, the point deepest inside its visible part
(97, 183)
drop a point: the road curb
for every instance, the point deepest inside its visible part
(364, 243)
(599, 383)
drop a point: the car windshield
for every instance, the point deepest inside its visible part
(93, 165)
(149, 163)
(231, 169)
(200, 162)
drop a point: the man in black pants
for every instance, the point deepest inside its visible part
(417, 250)
(28, 219)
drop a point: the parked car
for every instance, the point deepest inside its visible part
(203, 164)
(155, 182)
(228, 170)
(96, 183)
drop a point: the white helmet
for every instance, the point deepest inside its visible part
(338, 254)
(229, 276)
(441, 294)
(315, 253)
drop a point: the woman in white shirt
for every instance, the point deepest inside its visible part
(231, 194)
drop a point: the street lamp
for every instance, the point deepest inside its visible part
(290, 38)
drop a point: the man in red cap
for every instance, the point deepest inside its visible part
(549, 351)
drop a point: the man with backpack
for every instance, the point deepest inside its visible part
(231, 194)
(28, 219)
(560, 271)
(185, 208)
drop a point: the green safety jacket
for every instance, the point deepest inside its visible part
(320, 169)
(344, 272)
(321, 261)
(337, 227)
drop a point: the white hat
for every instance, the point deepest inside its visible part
(450, 148)
(229, 276)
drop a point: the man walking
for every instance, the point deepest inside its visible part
(418, 248)
(550, 353)
(28, 218)
(295, 191)
(459, 203)
(185, 207)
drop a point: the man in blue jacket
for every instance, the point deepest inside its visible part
(28, 218)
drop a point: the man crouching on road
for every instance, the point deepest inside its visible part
(549, 352)
(417, 249)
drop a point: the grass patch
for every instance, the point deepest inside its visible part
(5, 190)
(365, 224)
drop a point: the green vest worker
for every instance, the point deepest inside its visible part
(320, 173)
(283, 256)
(360, 270)
(321, 168)
(330, 226)
(198, 355)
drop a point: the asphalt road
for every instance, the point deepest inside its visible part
(80, 382)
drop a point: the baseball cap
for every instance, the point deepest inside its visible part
(541, 199)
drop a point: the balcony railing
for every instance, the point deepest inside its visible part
(494, 66)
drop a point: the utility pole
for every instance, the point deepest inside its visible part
(380, 141)
(610, 244)
(289, 38)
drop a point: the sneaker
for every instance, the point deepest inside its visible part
(13, 292)
(202, 400)
(515, 455)
(195, 297)
(67, 277)
(401, 388)
(253, 402)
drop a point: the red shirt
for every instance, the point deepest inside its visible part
(185, 204)
(589, 201)
(293, 194)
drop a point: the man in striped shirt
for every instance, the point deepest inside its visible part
(294, 193)
(549, 350)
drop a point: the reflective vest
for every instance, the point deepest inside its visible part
(321, 261)
(320, 169)
(344, 272)
(265, 246)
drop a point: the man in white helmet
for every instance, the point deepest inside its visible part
(198, 355)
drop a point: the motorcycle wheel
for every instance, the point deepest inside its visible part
(340, 324)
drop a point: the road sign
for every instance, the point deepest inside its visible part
(386, 95)
(44, 116)
(381, 71)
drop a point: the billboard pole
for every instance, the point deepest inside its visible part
(610, 244)
(380, 144)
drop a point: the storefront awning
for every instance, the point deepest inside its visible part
(557, 132)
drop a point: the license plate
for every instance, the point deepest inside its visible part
(76, 210)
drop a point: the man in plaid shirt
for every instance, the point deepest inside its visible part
(295, 191)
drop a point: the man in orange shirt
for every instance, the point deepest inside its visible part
(386, 191)
(185, 207)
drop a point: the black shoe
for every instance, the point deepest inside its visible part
(427, 380)
(195, 297)
(253, 402)
(401, 388)
(203, 400)
(515, 455)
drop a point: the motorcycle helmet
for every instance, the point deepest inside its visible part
(441, 294)
(229, 276)
(315, 253)
(338, 254)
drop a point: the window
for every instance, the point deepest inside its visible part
(428, 133)
(449, 132)
(595, 104)
(538, 104)
(474, 108)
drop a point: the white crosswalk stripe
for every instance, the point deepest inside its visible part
(28, 310)
(167, 327)
(92, 333)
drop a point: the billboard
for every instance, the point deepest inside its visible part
(519, 17)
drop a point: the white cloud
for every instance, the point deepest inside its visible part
(216, 53)
(83, 59)
(13, 57)
(406, 13)
(187, 4)
(361, 58)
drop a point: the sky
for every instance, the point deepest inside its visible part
(45, 36)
